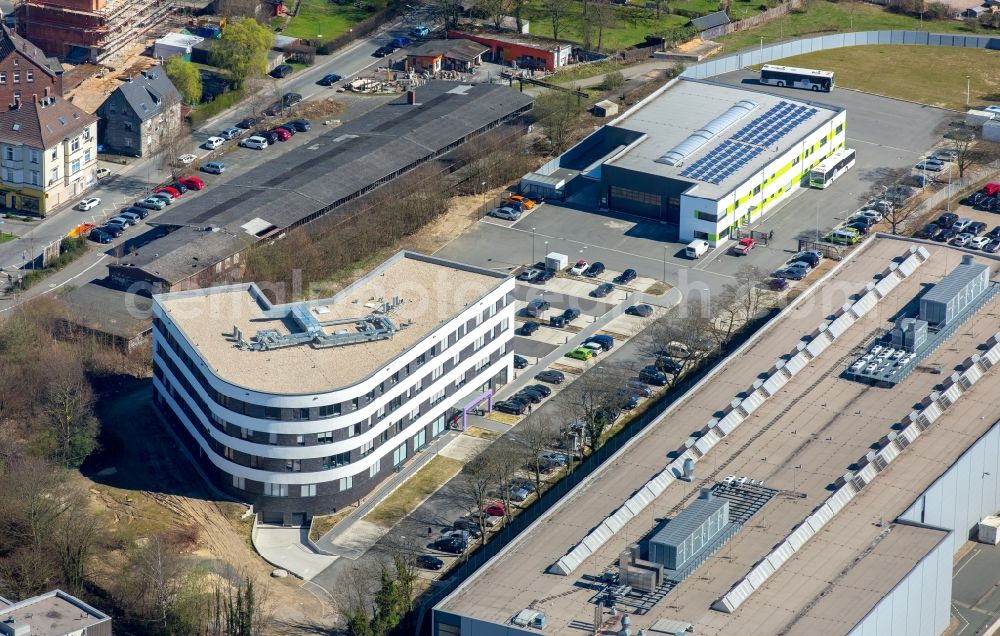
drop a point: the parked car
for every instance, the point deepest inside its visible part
(269, 136)
(186, 159)
(945, 154)
(114, 230)
(98, 235)
(777, 284)
(420, 31)
(625, 400)
(135, 209)
(945, 235)
(668, 365)
(602, 290)
(151, 203)
(88, 204)
(180, 187)
(961, 224)
(529, 328)
(639, 388)
(329, 79)
(743, 247)
(580, 353)
(551, 376)
(842, 237)
(978, 243)
(625, 277)
(451, 545)
(929, 166)
(505, 213)
(536, 307)
(256, 142)
(962, 239)
(523, 200)
(992, 247)
(594, 348)
(132, 217)
(927, 231)
(120, 221)
(429, 562)
(570, 314)
(540, 388)
(469, 525)
(579, 268)
(946, 220)
(606, 342)
(527, 395)
(791, 273)
(382, 51)
(290, 99)
(976, 228)
(213, 167)
(231, 133)
(519, 362)
(172, 191)
(283, 133)
(495, 509)
(192, 183)
(162, 196)
(509, 407)
(994, 233)
(809, 257)
(213, 142)
(595, 270)
(652, 375)
(859, 227)
(544, 276)
(103, 173)
(552, 456)
(282, 70)
(529, 274)
(872, 214)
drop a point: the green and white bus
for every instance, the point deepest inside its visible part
(811, 79)
(832, 167)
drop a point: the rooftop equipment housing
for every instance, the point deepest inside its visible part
(690, 531)
(956, 291)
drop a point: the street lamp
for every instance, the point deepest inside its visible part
(968, 86)
(762, 49)
(664, 264)
(483, 186)
(532, 246)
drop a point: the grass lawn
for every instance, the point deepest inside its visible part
(629, 26)
(324, 18)
(826, 17)
(414, 490)
(6, 236)
(926, 74)
(324, 523)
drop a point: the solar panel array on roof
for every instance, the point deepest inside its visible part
(748, 142)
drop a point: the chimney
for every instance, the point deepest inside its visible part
(411, 97)
(34, 97)
(47, 90)
(17, 103)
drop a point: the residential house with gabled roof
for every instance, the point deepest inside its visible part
(48, 153)
(141, 115)
(25, 69)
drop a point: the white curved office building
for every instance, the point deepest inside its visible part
(303, 408)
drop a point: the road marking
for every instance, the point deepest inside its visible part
(872, 143)
(971, 556)
(958, 613)
(55, 287)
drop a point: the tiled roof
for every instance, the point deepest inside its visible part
(10, 42)
(42, 123)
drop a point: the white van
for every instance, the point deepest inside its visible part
(696, 248)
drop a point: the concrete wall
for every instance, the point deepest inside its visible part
(920, 604)
(755, 56)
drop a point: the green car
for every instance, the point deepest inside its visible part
(842, 237)
(580, 353)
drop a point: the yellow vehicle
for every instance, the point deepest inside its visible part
(580, 353)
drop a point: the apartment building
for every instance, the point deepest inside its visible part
(303, 408)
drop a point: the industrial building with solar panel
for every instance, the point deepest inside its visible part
(705, 157)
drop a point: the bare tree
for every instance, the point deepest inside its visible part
(477, 479)
(594, 400)
(602, 16)
(685, 336)
(76, 536)
(536, 435)
(972, 152)
(508, 457)
(495, 9)
(356, 598)
(558, 12)
(68, 406)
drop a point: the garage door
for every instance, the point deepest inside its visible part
(645, 204)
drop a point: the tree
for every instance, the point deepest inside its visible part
(593, 399)
(354, 601)
(450, 11)
(690, 328)
(77, 533)
(388, 602)
(496, 10)
(537, 435)
(242, 50)
(557, 112)
(600, 15)
(478, 477)
(557, 11)
(972, 152)
(185, 78)
(73, 428)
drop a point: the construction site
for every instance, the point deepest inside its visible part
(80, 31)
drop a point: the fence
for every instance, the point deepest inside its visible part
(756, 56)
(749, 23)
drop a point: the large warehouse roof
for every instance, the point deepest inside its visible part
(716, 136)
(340, 164)
(813, 429)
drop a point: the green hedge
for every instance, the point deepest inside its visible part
(221, 103)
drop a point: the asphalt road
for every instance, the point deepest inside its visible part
(974, 592)
(886, 133)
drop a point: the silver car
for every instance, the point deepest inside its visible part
(505, 213)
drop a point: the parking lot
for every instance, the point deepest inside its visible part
(886, 133)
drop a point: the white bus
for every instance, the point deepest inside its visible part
(832, 167)
(796, 77)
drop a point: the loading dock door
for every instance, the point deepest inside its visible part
(644, 204)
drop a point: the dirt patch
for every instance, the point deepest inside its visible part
(482, 433)
(319, 108)
(325, 523)
(146, 484)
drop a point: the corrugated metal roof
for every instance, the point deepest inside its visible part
(690, 519)
(956, 281)
(711, 20)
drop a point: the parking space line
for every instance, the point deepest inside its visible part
(873, 143)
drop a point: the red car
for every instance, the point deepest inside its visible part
(495, 509)
(173, 192)
(282, 134)
(193, 183)
(991, 189)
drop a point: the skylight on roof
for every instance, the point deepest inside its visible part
(706, 133)
(62, 120)
(16, 126)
